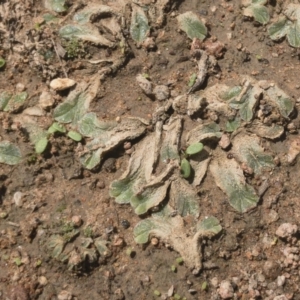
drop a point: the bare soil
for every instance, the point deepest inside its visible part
(55, 187)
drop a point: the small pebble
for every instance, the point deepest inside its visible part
(226, 289)
(3, 215)
(35, 111)
(224, 141)
(239, 46)
(101, 184)
(129, 151)
(125, 224)
(46, 100)
(42, 280)
(161, 92)
(271, 269)
(213, 8)
(77, 221)
(18, 199)
(280, 297)
(154, 241)
(285, 230)
(171, 291)
(214, 282)
(127, 145)
(60, 84)
(144, 84)
(20, 87)
(280, 281)
(271, 217)
(64, 295)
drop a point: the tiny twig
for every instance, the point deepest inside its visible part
(60, 61)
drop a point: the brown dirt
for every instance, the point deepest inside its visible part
(55, 187)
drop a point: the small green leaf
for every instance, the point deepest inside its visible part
(89, 254)
(16, 102)
(261, 2)
(91, 159)
(231, 93)
(194, 148)
(293, 35)
(233, 125)
(202, 132)
(49, 18)
(267, 132)
(183, 198)
(257, 11)
(4, 99)
(170, 144)
(18, 261)
(139, 27)
(210, 224)
(288, 25)
(247, 149)
(260, 14)
(248, 103)
(142, 230)
(101, 246)
(56, 127)
(185, 168)
(279, 29)
(192, 80)
(284, 103)
(151, 196)
(75, 136)
(204, 286)
(55, 5)
(57, 243)
(179, 260)
(71, 110)
(243, 198)
(9, 153)
(191, 24)
(89, 125)
(2, 62)
(230, 178)
(121, 190)
(41, 145)
(82, 17)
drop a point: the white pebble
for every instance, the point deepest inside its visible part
(64, 295)
(42, 280)
(161, 92)
(18, 199)
(280, 297)
(214, 282)
(286, 230)
(224, 141)
(280, 281)
(60, 84)
(20, 87)
(34, 111)
(46, 100)
(226, 289)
